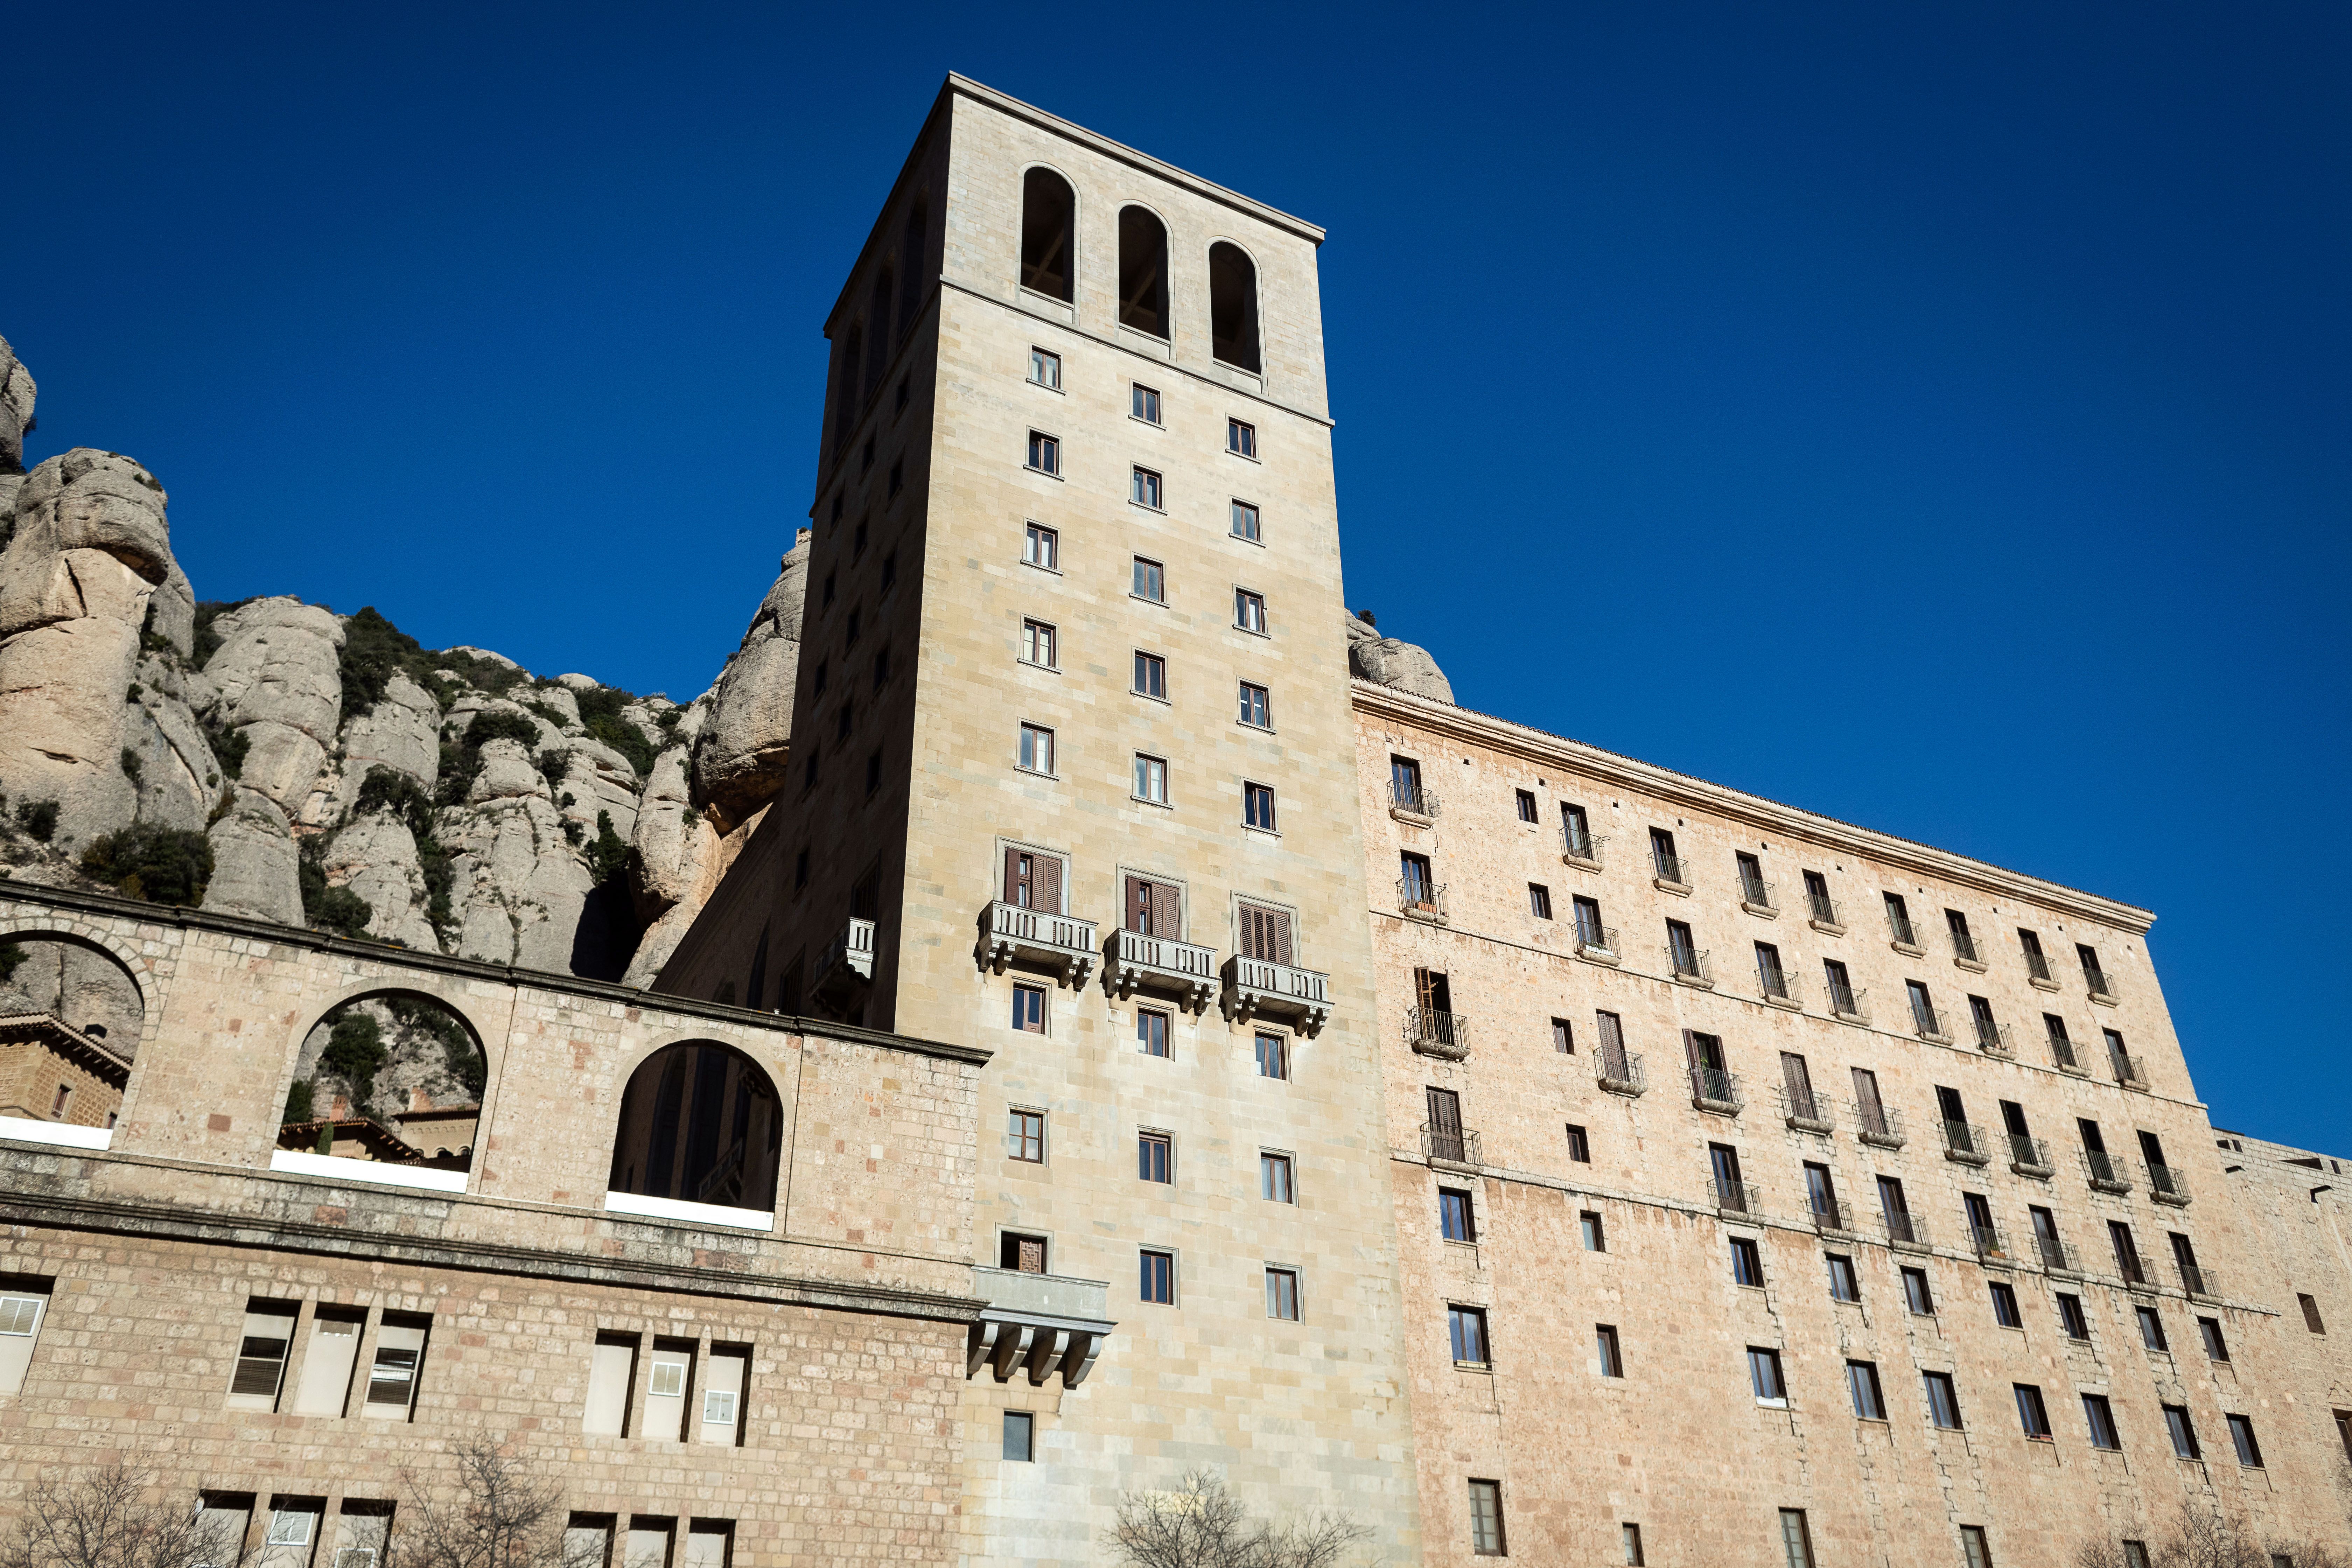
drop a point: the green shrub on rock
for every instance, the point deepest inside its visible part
(144, 860)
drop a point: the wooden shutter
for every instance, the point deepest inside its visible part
(1166, 912)
(1139, 905)
(1014, 881)
(1690, 1050)
(1799, 1081)
(1032, 1255)
(1049, 883)
(1865, 1091)
(1444, 1112)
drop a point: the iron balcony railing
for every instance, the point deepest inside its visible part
(1829, 1214)
(2166, 1184)
(1987, 1241)
(1437, 1033)
(1734, 1197)
(1898, 923)
(1618, 1070)
(2197, 1280)
(1807, 1110)
(1776, 982)
(1992, 1036)
(2029, 1156)
(1754, 891)
(1712, 1088)
(1878, 1125)
(1903, 1228)
(2128, 1071)
(2096, 978)
(1669, 867)
(2054, 1254)
(1420, 900)
(2107, 1174)
(1688, 964)
(1596, 941)
(1965, 1143)
(2037, 965)
(1412, 799)
(1584, 847)
(1454, 1144)
(1963, 947)
(1847, 1002)
(1924, 1020)
(1822, 909)
(2062, 1051)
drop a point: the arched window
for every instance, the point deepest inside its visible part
(1142, 271)
(700, 1124)
(1046, 207)
(911, 251)
(70, 1016)
(1232, 306)
(394, 1078)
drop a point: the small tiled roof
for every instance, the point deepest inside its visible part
(85, 1051)
(381, 1141)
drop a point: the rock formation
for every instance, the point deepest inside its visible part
(1389, 661)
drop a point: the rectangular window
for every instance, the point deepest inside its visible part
(1282, 1294)
(1943, 1403)
(1144, 403)
(2136, 1554)
(2184, 1436)
(1596, 1239)
(1266, 935)
(1898, 920)
(1662, 858)
(1467, 1327)
(1154, 1156)
(1037, 748)
(1244, 521)
(1041, 546)
(2310, 1313)
(1158, 1277)
(2208, 1329)
(1747, 1263)
(1590, 931)
(1241, 438)
(1576, 832)
(1612, 1357)
(612, 1372)
(1256, 706)
(1037, 644)
(2242, 1437)
(2004, 1306)
(1144, 489)
(1149, 581)
(1563, 1037)
(1964, 942)
(1845, 1285)
(261, 1356)
(1273, 1179)
(1257, 807)
(1752, 890)
(2100, 1417)
(1046, 369)
(1526, 803)
(722, 1395)
(1487, 1519)
(1020, 1436)
(2095, 976)
(2344, 1431)
(1456, 1220)
(1579, 1147)
(1973, 1550)
(1764, 1374)
(1249, 611)
(666, 1386)
(399, 1359)
(1272, 1056)
(2126, 1253)
(1538, 901)
(1045, 453)
(22, 1307)
(1916, 1292)
(2151, 1330)
(334, 1356)
(2030, 1415)
(1151, 1031)
(1029, 1009)
(1629, 1536)
(1025, 1136)
(1151, 779)
(2071, 1318)
(1796, 1539)
(1862, 1381)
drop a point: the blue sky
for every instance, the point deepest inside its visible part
(1939, 421)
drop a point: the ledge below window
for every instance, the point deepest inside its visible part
(65, 1134)
(377, 1173)
(641, 1206)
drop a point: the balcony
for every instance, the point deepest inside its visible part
(1598, 944)
(1777, 987)
(1848, 1004)
(1965, 1145)
(1992, 1038)
(2055, 1256)
(1964, 952)
(2037, 971)
(2199, 1280)
(1581, 851)
(1823, 913)
(1879, 1127)
(1714, 1090)
(2128, 1070)
(1928, 1026)
(1673, 876)
(1039, 1323)
(1806, 1111)
(1255, 986)
(1905, 938)
(1449, 1146)
(1904, 1229)
(1989, 1245)
(2062, 1052)
(2101, 991)
(2030, 1157)
(2166, 1184)
(1619, 1071)
(846, 968)
(1832, 1218)
(1689, 967)
(1134, 961)
(2107, 1174)
(1756, 897)
(1062, 943)
(1734, 1197)
(1436, 1034)
(1418, 900)
(1412, 804)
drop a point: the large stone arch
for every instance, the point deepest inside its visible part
(85, 977)
(434, 1105)
(700, 1120)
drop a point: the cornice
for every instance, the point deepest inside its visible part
(1785, 821)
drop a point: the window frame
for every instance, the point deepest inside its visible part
(1151, 780)
(1143, 1036)
(1747, 1263)
(1145, 1257)
(1592, 1230)
(1579, 1144)
(1277, 1168)
(1241, 438)
(1254, 797)
(1143, 405)
(1461, 1317)
(1155, 1151)
(1034, 534)
(2032, 1414)
(1850, 1277)
(1147, 488)
(1860, 1375)
(1245, 602)
(1026, 1423)
(1457, 1200)
(1140, 566)
(1047, 362)
(1033, 738)
(1608, 1350)
(1933, 1384)
(1766, 1379)
(1280, 1277)
(1244, 521)
(1025, 1128)
(1036, 636)
(2099, 1421)
(1264, 705)
(1044, 455)
(1042, 997)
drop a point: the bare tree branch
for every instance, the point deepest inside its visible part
(110, 1517)
(1202, 1524)
(502, 1516)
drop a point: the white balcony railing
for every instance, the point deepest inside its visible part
(1061, 942)
(1134, 961)
(1255, 986)
(846, 965)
